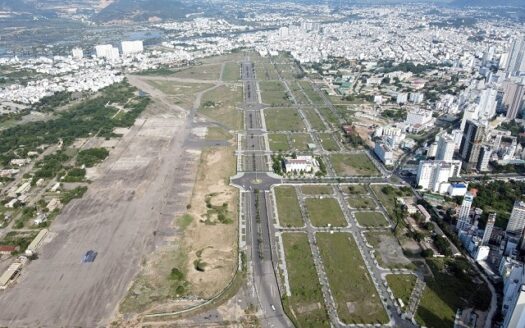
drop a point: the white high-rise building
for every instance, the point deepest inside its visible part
(516, 57)
(517, 219)
(107, 51)
(488, 229)
(445, 148)
(434, 175)
(132, 47)
(487, 103)
(77, 53)
(464, 211)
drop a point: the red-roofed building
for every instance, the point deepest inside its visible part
(7, 249)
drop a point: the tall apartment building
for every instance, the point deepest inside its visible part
(132, 47)
(471, 142)
(107, 51)
(517, 219)
(513, 99)
(445, 147)
(464, 211)
(485, 154)
(516, 56)
(77, 53)
(434, 175)
(488, 229)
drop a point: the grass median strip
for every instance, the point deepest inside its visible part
(306, 305)
(354, 292)
(288, 207)
(325, 211)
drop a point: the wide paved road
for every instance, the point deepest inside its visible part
(256, 183)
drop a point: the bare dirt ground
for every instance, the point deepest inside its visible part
(141, 189)
(215, 243)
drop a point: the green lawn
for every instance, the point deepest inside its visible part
(328, 142)
(200, 72)
(311, 93)
(401, 285)
(264, 70)
(329, 116)
(274, 93)
(314, 119)
(325, 211)
(219, 104)
(361, 202)
(447, 292)
(283, 119)
(306, 302)
(353, 165)
(232, 72)
(288, 207)
(300, 141)
(356, 189)
(317, 190)
(278, 142)
(352, 288)
(371, 219)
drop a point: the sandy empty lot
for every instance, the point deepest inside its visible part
(140, 190)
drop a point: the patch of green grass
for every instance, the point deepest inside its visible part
(278, 142)
(283, 119)
(352, 287)
(371, 219)
(328, 142)
(219, 104)
(300, 141)
(450, 289)
(317, 190)
(311, 93)
(401, 285)
(314, 119)
(387, 195)
(184, 221)
(288, 207)
(329, 116)
(353, 165)
(361, 202)
(325, 211)
(274, 93)
(232, 72)
(200, 72)
(181, 93)
(306, 301)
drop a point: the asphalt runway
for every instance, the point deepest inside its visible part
(142, 187)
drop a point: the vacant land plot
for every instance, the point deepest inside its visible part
(361, 202)
(352, 287)
(297, 92)
(264, 70)
(329, 116)
(300, 141)
(448, 291)
(388, 252)
(181, 93)
(232, 72)
(218, 133)
(325, 211)
(274, 93)
(387, 195)
(219, 105)
(371, 219)
(288, 207)
(278, 142)
(401, 285)
(283, 119)
(328, 142)
(201, 72)
(356, 189)
(311, 93)
(353, 165)
(317, 190)
(314, 119)
(306, 303)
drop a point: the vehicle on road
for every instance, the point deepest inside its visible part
(89, 257)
